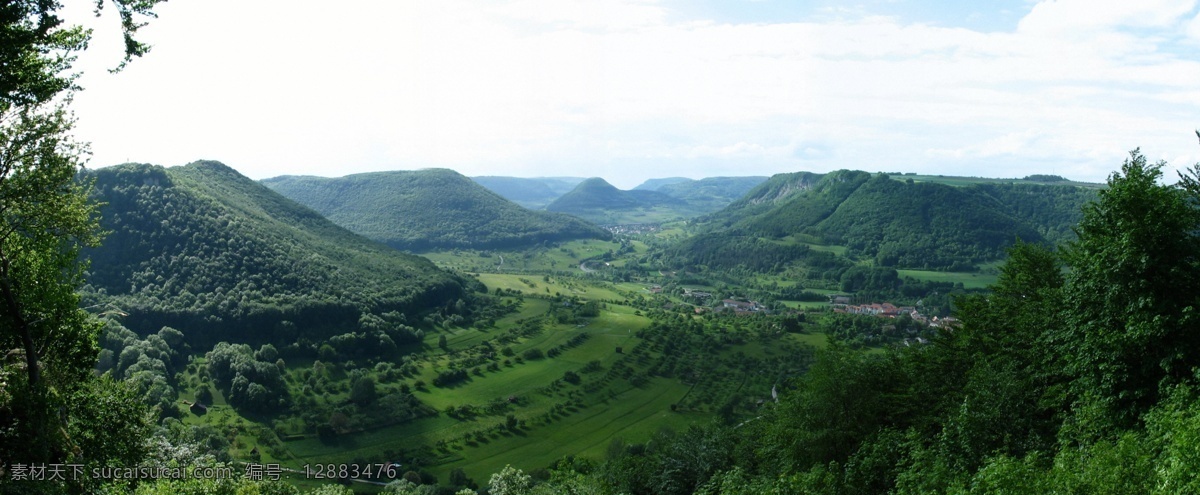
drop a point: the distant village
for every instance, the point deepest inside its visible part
(838, 303)
(841, 304)
(634, 228)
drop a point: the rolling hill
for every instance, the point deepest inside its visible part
(599, 202)
(896, 223)
(208, 251)
(429, 209)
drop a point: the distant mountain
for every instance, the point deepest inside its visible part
(594, 194)
(428, 209)
(713, 193)
(208, 251)
(904, 224)
(657, 184)
(598, 201)
(532, 193)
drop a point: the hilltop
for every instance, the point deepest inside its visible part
(429, 209)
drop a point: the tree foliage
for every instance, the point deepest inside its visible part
(1135, 272)
(1077, 373)
(49, 398)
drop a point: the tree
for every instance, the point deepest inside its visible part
(510, 481)
(45, 219)
(363, 392)
(1131, 292)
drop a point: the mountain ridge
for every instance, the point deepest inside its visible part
(429, 209)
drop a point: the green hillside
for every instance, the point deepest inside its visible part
(921, 225)
(892, 223)
(208, 251)
(428, 209)
(1053, 210)
(599, 202)
(594, 194)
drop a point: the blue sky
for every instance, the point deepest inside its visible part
(635, 89)
(990, 15)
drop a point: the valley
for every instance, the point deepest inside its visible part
(262, 333)
(494, 248)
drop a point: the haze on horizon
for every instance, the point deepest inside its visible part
(634, 89)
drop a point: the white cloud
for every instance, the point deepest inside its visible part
(1061, 17)
(569, 88)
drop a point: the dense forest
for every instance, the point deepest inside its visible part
(208, 251)
(902, 224)
(426, 209)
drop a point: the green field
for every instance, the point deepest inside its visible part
(807, 305)
(633, 414)
(556, 418)
(969, 280)
(557, 285)
(812, 242)
(564, 257)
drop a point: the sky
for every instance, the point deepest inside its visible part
(634, 89)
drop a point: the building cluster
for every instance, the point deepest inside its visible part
(889, 310)
(634, 228)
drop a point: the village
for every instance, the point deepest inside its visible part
(841, 304)
(837, 303)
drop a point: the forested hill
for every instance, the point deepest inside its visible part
(595, 194)
(600, 202)
(899, 223)
(208, 251)
(426, 209)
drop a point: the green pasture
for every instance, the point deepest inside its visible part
(807, 305)
(557, 285)
(815, 339)
(969, 280)
(633, 414)
(559, 418)
(812, 242)
(564, 257)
